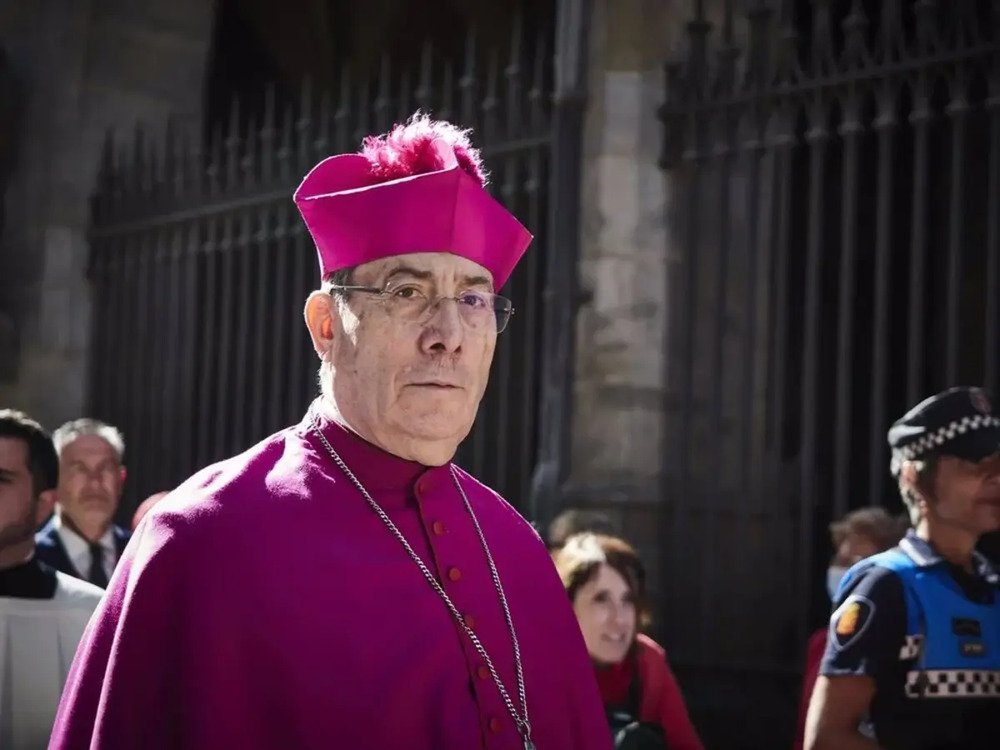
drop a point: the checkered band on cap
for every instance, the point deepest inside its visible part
(911, 647)
(953, 683)
(939, 437)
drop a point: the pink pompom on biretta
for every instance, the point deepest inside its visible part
(418, 188)
(414, 147)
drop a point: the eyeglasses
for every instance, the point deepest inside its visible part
(479, 311)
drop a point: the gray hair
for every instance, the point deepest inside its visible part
(78, 428)
(910, 493)
(342, 277)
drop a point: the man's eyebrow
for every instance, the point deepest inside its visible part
(485, 281)
(424, 275)
(410, 271)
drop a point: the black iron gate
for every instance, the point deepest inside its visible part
(200, 266)
(838, 173)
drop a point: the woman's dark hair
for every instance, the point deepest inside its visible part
(574, 521)
(580, 558)
(43, 463)
(874, 524)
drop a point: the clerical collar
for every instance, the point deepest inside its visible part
(29, 580)
(376, 469)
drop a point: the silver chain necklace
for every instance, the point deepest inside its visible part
(522, 722)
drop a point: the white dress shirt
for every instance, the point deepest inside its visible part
(78, 549)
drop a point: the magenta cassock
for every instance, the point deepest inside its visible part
(265, 605)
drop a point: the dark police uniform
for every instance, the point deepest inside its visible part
(926, 631)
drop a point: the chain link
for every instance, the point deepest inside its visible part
(522, 722)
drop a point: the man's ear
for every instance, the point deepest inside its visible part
(44, 507)
(319, 314)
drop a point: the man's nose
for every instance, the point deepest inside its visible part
(444, 330)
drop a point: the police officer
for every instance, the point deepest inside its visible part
(913, 656)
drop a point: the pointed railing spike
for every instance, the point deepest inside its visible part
(250, 159)
(404, 106)
(468, 93)
(303, 126)
(491, 99)
(268, 152)
(182, 169)
(536, 96)
(383, 98)
(425, 87)
(232, 147)
(447, 109)
(153, 176)
(171, 156)
(513, 93)
(342, 117)
(324, 128)
(285, 149)
(361, 126)
(213, 172)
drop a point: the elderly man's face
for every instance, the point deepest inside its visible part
(409, 383)
(91, 478)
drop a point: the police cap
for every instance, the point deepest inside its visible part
(962, 422)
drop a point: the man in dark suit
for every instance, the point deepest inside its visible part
(81, 538)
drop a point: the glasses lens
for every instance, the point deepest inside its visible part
(503, 308)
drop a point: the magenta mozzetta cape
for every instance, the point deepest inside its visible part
(265, 605)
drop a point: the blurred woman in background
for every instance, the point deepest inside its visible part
(604, 579)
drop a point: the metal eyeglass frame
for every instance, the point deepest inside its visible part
(384, 293)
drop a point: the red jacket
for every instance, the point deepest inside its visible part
(814, 655)
(662, 701)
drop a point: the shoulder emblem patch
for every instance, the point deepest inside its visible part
(850, 620)
(847, 623)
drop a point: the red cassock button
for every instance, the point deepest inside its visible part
(423, 485)
(483, 672)
(438, 528)
(494, 724)
(454, 574)
(469, 620)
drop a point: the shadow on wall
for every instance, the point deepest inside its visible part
(8, 349)
(10, 117)
(10, 111)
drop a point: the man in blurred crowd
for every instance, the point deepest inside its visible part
(913, 658)
(344, 584)
(81, 539)
(42, 612)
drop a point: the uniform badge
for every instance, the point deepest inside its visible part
(972, 649)
(966, 626)
(980, 401)
(847, 623)
(850, 620)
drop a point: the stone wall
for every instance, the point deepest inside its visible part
(618, 416)
(84, 66)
